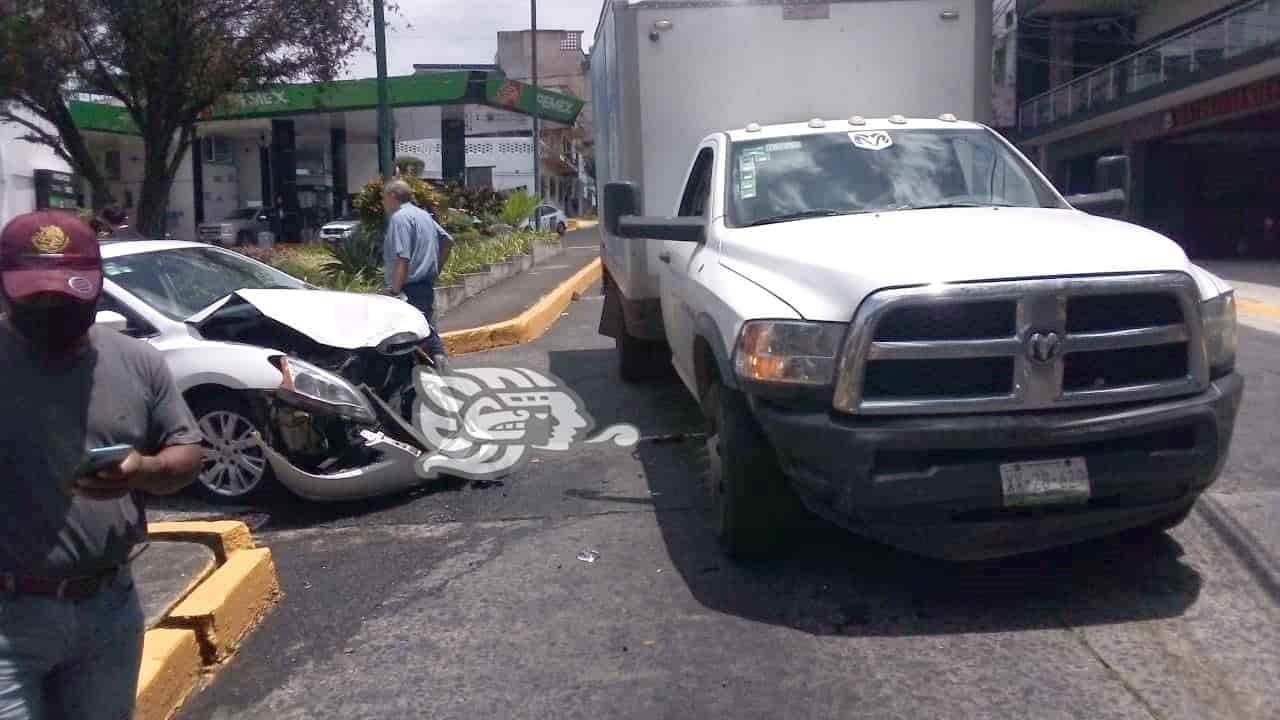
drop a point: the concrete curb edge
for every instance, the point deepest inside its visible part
(528, 325)
(205, 627)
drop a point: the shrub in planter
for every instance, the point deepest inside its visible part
(368, 203)
(518, 208)
(359, 253)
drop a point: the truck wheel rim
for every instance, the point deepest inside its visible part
(233, 463)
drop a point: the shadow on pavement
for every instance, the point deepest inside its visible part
(831, 582)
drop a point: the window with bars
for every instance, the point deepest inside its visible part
(571, 41)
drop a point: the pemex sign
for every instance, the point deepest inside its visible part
(522, 97)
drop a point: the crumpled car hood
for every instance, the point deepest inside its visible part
(349, 321)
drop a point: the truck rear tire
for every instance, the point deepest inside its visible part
(640, 360)
(753, 507)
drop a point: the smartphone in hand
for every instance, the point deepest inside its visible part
(101, 458)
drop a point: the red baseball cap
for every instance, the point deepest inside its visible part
(50, 251)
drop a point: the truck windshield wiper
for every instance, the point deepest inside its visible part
(945, 205)
(800, 215)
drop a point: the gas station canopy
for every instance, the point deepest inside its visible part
(478, 87)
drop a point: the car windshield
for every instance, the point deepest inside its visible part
(779, 179)
(180, 283)
(244, 214)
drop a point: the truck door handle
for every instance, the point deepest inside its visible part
(664, 256)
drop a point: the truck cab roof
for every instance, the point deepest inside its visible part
(848, 124)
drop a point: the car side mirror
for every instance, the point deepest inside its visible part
(112, 320)
(621, 205)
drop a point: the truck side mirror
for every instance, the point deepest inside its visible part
(622, 202)
(1111, 178)
(620, 198)
(1111, 172)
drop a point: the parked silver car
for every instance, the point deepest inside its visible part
(239, 228)
(550, 218)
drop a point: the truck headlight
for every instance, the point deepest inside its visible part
(322, 390)
(1218, 318)
(788, 351)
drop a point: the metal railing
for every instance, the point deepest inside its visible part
(1250, 27)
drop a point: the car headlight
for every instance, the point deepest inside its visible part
(1218, 318)
(320, 388)
(789, 352)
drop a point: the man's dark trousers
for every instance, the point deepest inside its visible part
(422, 295)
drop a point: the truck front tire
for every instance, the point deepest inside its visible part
(753, 507)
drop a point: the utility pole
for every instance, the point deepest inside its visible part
(537, 139)
(386, 152)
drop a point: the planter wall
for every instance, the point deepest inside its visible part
(473, 284)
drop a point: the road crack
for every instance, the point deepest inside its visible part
(1113, 671)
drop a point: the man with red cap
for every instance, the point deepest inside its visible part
(70, 623)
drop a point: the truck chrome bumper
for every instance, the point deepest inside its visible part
(932, 484)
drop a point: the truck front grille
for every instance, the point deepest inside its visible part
(210, 234)
(1023, 345)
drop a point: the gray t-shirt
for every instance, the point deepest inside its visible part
(117, 391)
(414, 235)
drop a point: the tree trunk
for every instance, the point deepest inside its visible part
(153, 200)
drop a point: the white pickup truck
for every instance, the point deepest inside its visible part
(901, 324)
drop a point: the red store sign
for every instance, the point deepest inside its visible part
(1253, 96)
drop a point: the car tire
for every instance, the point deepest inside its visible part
(233, 468)
(243, 238)
(754, 509)
(561, 229)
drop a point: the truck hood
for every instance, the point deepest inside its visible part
(825, 267)
(348, 321)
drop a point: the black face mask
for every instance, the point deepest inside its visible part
(55, 329)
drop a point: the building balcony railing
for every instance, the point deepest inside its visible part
(1202, 50)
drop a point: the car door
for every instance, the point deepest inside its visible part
(682, 262)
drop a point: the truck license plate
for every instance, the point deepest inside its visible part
(1044, 482)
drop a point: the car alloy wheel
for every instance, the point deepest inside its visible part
(234, 465)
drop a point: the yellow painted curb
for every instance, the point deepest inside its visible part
(528, 325)
(170, 669)
(1257, 307)
(229, 603)
(224, 537)
(583, 224)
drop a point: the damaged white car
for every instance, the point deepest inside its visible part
(290, 384)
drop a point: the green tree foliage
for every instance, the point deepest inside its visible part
(165, 62)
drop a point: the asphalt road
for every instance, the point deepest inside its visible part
(469, 600)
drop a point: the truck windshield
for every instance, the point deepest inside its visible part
(780, 179)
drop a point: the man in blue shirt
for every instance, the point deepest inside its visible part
(415, 249)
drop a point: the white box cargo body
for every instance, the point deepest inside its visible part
(667, 74)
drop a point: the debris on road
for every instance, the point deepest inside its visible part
(588, 556)
(673, 437)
